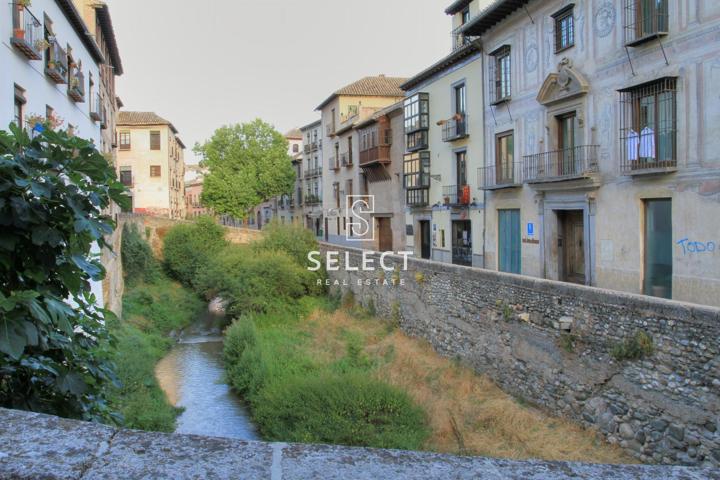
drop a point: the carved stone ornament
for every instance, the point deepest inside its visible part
(567, 83)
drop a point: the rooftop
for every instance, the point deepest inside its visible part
(442, 65)
(457, 6)
(142, 119)
(493, 14)
(379, 86)
(294, 134)
(103, 15)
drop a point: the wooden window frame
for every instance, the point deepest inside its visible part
(155, 171)
(125, 146)
(501, 75)
(155, 134)
(564, 15)
(501, 168)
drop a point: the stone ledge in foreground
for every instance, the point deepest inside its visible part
(36, 446)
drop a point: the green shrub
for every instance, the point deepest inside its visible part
(138, 261)
(340, 409)
(188, 248)
(293, 239)
(638, 346)
(254, 281)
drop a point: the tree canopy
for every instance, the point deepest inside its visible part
(53, 191)
(248, 164)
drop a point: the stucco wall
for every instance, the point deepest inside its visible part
(663, 408)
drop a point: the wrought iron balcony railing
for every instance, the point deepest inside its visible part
(312, 199)
(56, 63)
(460, 40)
(346, 159)
(334, 163)
(567, 164)
(504, 175)
(27, 34)
(313, 172)
(456, 195)
(645, 20)
(455, 128)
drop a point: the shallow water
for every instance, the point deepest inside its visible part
(192, 377)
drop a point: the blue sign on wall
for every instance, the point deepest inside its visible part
(530, 229)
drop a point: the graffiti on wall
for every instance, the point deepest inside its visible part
(693, 247)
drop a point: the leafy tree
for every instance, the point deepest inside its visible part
(248, 164)
(188, 248)
(53, 191)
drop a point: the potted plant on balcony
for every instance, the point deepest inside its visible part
(41, 44)
(23, 4)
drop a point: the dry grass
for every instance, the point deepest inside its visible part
(468, 413)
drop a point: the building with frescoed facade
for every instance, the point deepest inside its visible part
(601, 162)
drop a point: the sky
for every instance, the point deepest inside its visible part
(204, 64)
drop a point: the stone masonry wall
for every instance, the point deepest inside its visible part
(550, 342)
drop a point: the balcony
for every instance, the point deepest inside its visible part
(645, 21)
(96, 108)
(460, 40)
(27, 34)
(311, 200)
(76, 86)
(330, 129)
(346, 159)
(497, 177)
(56, 66)
(456, 195)
(559, 165)
(455, 128)
(313, 172)
(417, 197)
(334, 163)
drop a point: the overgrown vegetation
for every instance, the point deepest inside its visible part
(153, 306)
(54, 344)
(639, 345)
(188, 249)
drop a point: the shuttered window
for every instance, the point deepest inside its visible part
(154, 140)
(155, 170)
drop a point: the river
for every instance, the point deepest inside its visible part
(192, 377)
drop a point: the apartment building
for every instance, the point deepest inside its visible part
(151, 164)
(381, 146)
(342, 176)
(602, 153)
(309, 186)
(59, 61)
(444, 145)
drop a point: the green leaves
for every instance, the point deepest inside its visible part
(53, 189)
(248, 164)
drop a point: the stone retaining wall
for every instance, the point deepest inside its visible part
(550, 343)
(35, 446)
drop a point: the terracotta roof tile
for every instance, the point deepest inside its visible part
(379, 86)
(142, 119)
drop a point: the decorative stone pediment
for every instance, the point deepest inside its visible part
(566, 84)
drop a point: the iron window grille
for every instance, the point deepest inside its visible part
(564, 28)
(500, 75)
(645, 20)
(648, 126)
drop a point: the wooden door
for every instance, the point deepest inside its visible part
(509, 241)
(425, 239)
(573, 246)
(384, 232)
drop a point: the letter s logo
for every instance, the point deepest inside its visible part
(360, 209)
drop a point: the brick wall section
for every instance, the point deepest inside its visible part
(664, 408)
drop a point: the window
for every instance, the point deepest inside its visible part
(460, 99)
(19, 110)
(649, 125)
(154, 140)
(126, 176)
(417, 112)
(416, 178)
(348, 187)
(564, 28)
(296, 148)
(465, 16)
(500, 75)
(336, 194)
(461, 168)
(504, 158)
(155, 170)
(124, 140)
(645, 20)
